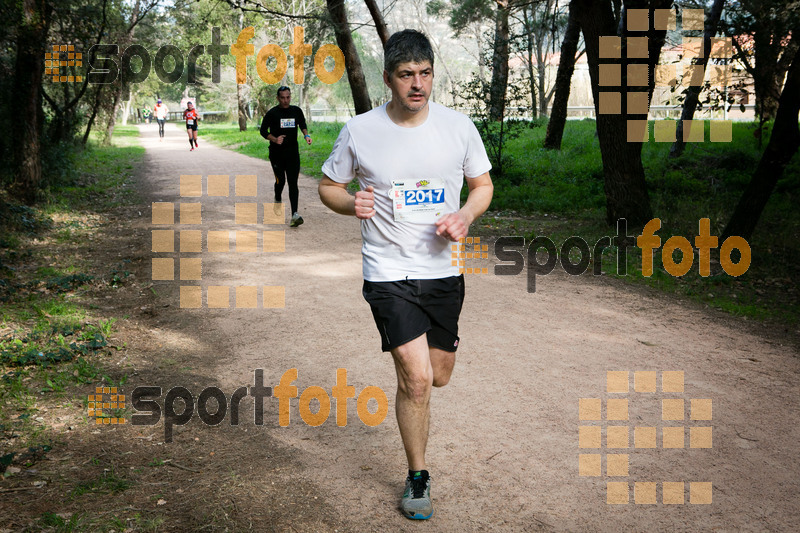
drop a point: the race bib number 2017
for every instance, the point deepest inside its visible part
(422, 201)
(423, 196)
(287, 123)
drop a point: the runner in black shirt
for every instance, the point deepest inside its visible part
(280, 127)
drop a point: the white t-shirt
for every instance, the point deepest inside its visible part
(161, 111)
(443, 150)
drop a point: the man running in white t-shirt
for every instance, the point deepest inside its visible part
(410, 157)
(160, 111)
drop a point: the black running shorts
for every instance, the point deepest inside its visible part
(404, 310)
(192, 126)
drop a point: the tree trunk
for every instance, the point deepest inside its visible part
(355, 73)
(95, 109)
(380, 24)
(64, 121)
(566, 66)
(497, 90)
(624, 184)
(112, 117)
(529, 50)
(57, 126)
(70, 106)
(782, 146)
(435, 44)
(111, 120)
(479, 46)
(766, 60)
(120, 86)
(771, 56)
(242, 88)
(541, 61)
(767, 103)
(31, 41)
(306, 100)
(241, 99)
(126, 110)
(541, 56)
(693, 91)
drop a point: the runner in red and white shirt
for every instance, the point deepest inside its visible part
(191, 116)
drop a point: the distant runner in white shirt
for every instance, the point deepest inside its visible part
(160, 111)
(410, 157)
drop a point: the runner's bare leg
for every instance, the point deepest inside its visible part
(442, 363)
(412, 404)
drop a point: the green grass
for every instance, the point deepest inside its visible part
(86, 522)
(109, 482)
(708, 177)
(53, 272)
(52, 343)
(548, 181)
(53, 522)
(559, 194)
(100, 178)
(251, 143)
(50, 338)
(61, 332)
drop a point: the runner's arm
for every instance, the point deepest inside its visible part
(335, 196)
(265, 125)
(455, 226)
(264, 130)
(480, 195)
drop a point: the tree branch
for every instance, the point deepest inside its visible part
(743, 57)
(100, 32)
(380, 24)
(259, 8)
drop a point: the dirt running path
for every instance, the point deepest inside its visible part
(503, 449)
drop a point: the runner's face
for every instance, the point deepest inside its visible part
(284, 98)
(411, 85)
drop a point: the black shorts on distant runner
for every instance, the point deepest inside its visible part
(192, 126)
(404, 310)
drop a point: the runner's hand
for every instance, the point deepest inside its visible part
(279, 139)
(452, 226)
(365, 203)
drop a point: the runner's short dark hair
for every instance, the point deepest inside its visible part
(405, 46)
(281, 89)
